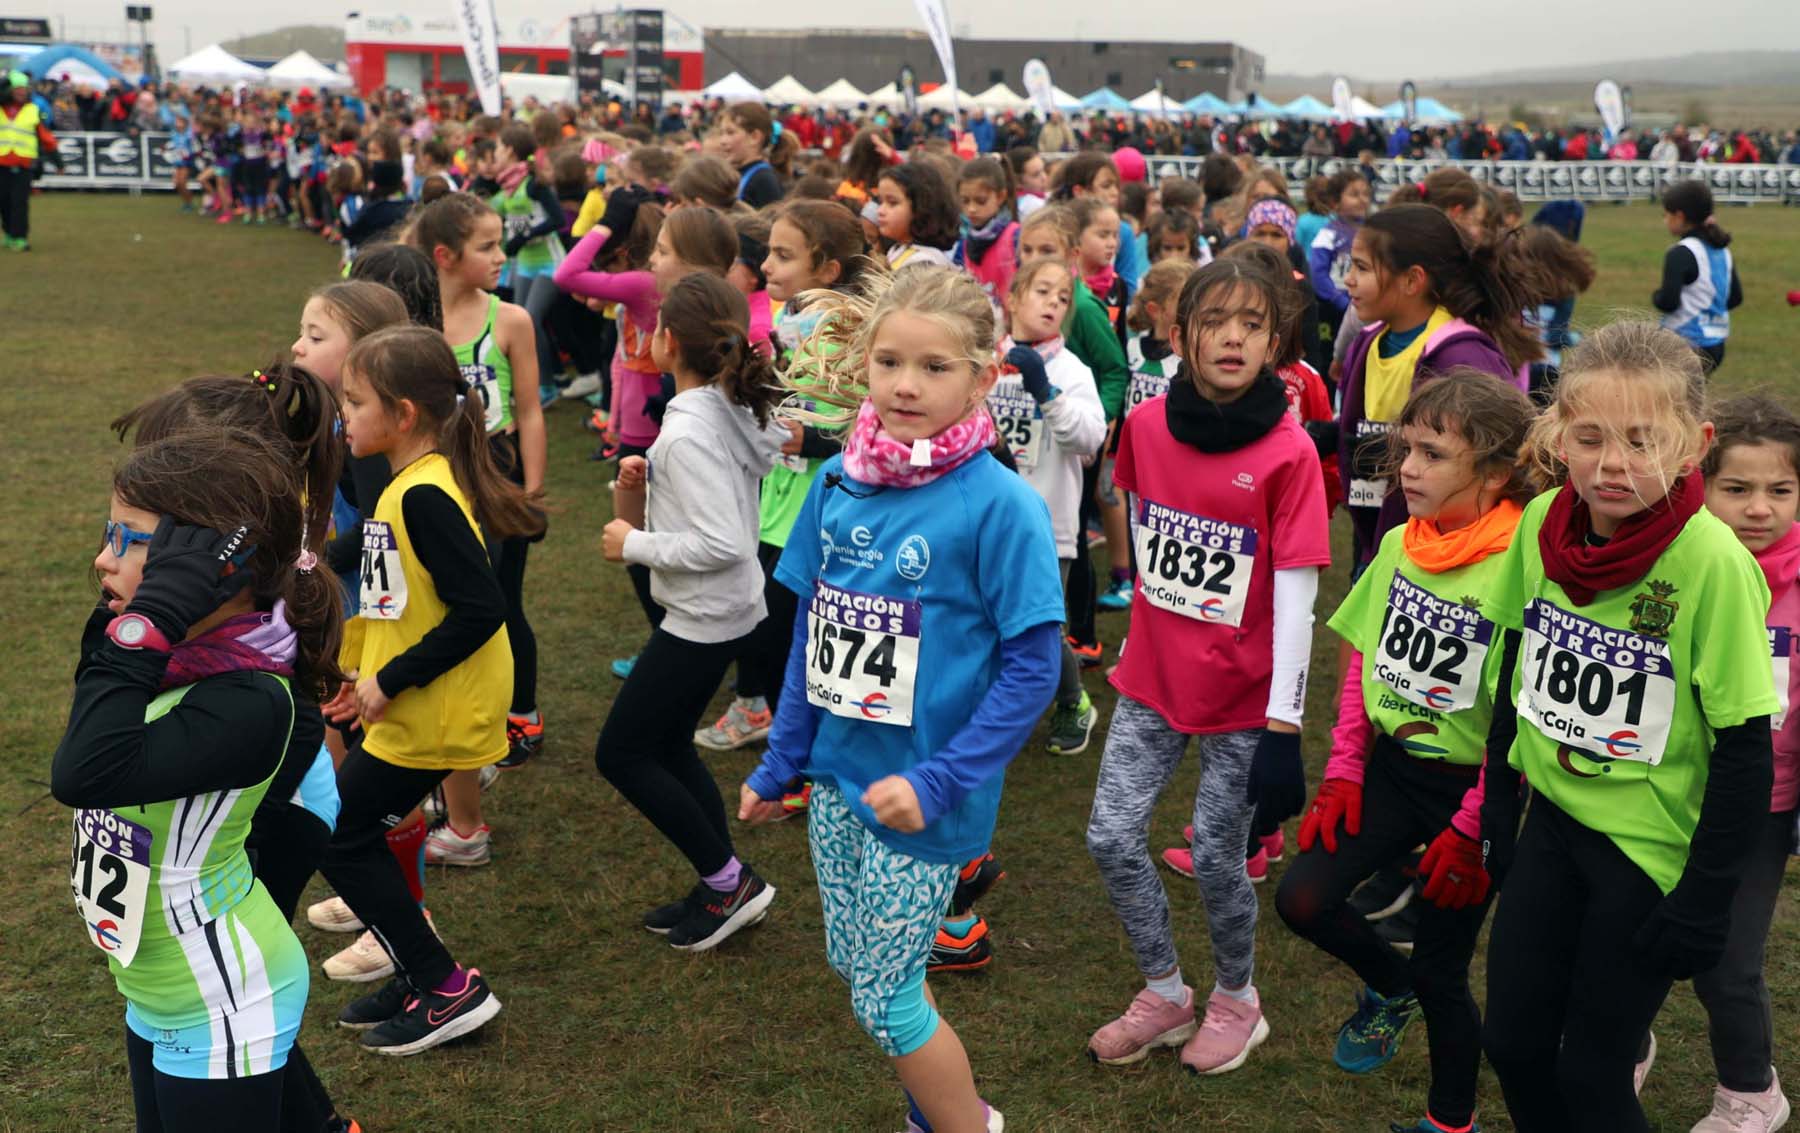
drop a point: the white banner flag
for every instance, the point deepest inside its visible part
(937, 26)
(1610, 102)
(1340, 99)
(481, 43)
(1038, 88)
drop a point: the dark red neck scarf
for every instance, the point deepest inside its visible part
(1583, 570)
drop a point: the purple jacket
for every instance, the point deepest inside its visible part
(1456, 343)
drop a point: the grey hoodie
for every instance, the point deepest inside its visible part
(706, 469)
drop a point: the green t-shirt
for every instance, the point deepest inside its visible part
(519, 214)
(1618, 700)
(784, 488)
(1430, 662)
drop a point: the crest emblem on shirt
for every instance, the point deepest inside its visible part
(1471, 601)
(1652, 614)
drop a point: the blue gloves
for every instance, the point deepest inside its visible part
(1031, 372)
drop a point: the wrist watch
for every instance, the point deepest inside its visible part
(136, 632)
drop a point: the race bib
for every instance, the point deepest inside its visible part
(1143, 387)
(1194, 566)
(1367, 489)
(862, 654)
(1602, 690)
(793, 462)
(1431, 651)
(484, 383)
(1367, 493)
(383, 583)
(109, 871)
(517, 225)
(1019, 421)
(1781, 647)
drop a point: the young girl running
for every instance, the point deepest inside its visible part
(1643, 692)
(1700, 284)
(184, 712)
(989, 247)
(908, 772)
(1753, 484)
(751, 140)
(915, 212)
(813, 245)
(1413, 716)
(1047, 410)
(1429, 302)
(434, 671)
(496, 353)
(699, 541)
(1229, 512)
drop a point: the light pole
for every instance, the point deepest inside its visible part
(139, 14)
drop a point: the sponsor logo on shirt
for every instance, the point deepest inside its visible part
(857, 553)
(914, 558)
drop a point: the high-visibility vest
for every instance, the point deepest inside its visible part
(19, 134)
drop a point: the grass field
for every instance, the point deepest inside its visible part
(605, 1027)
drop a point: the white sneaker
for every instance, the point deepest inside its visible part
(433, 810)
(444, 846)
(583, 385)
(363, 962)
(332, 915)
(1733, 1112)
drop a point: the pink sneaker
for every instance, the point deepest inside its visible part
(1181, 860)
(1151, 1021)
(1230, 1031)
(1257, 866)
(1274, 845)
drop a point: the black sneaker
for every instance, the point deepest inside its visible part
(524, 739)
(972, 884)
(716, 914)
(953, 953)
(1383, 895)
(377, 1007)
(663, 919)
(434, 1018)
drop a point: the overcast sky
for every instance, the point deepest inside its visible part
(1366, 39)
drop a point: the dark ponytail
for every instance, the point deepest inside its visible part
(710, 322)
(408, 273)
(283, 403)
(409, 363)
(1481, 284)
(1693, 201)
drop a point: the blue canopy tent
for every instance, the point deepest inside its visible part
(63, 59)
(1430, 112)
(1210, 103)
(1106, 100)
(1307, 107)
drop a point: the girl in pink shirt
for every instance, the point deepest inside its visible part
(1227, 507)
(1753, 484)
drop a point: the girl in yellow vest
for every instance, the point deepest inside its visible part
(434, 672)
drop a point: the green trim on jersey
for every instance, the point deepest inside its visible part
(489, 372)
(1619, 699)
(1430, 655)
(519, 213)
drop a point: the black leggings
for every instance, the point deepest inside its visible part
(285, 845)
(1080, 592)
(1711, 357)
(763, 664)
(1406, 801)
(1566, 1001)
(646, 746)
(637, 572)
(375, 797)
(508, 557)
(15, 201)
(167, 1104)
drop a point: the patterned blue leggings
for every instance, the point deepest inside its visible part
(882, 910)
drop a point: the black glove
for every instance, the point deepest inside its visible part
(1277, 779)
(1499, 827)
(1685, 934)
(514, 245)
(621, 212)
(1324, 436)
(1030, 365)
(190, 572)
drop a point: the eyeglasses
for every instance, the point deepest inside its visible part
(121, 537)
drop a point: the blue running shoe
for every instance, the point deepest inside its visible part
(1371, 1037)
(1426, 1125)
(623, 666)
(1117, 596)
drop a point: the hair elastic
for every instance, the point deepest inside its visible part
(774, 132)
(267, 382)
(1420, 186)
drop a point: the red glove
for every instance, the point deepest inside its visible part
(1452, 867)
(1337, 799)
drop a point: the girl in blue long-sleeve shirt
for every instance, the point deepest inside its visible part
(1328, 259)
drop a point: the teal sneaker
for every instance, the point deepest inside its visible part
(1117, 596)
(1426, 1125)
(1071, 726)
(623, 666)
(1371, 1037)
